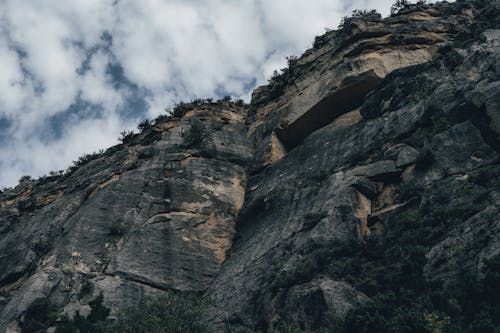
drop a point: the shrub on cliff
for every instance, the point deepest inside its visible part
(409, 303)
(398, 5)
(404, 4)
(360, 13)
(174, 313)
(84, 159)
(144, 125)
(364, 14)
(281, 78)
(93, 323)
(126, 136)
(196, 134)
(25, 179)
(39, 316)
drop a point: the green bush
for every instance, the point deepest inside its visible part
(84, 159)
(144, 125)
(280, 79)
(85, 289)
(196, 134)
(360, 13)
(403, 300)
(390, 271)
(175, 313)
(95, 322)
(42, 246)
(126, 136)
(117, 230)
(408, 303)
(39, 316)
(398, 6)
(25, 179)
(162, 118)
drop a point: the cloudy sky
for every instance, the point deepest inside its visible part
(75, 73)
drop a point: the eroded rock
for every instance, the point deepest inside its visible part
(382, 143)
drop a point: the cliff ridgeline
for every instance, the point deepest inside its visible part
(359, 191)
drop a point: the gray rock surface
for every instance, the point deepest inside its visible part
(161, 216)
(277, 211)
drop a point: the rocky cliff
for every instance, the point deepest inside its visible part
(359, 191)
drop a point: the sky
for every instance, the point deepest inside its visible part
(75, 73)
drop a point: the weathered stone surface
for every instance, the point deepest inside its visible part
(378, 171)
(160, 216)
(407, 155)
(304, 198)
(280, 211)
(460, 253)
(315, 80)
(488, 96)
(417, 110)
(461, 148)
(314, 304)
(346, 98)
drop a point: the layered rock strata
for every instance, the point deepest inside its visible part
(384, 137)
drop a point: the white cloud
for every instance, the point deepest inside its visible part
(11, 91)
(54, 53)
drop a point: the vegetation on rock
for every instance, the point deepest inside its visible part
(172, 313)
(196, 134)
(383, 220)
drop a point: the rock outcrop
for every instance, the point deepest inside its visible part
(372, 161)
(158, 213)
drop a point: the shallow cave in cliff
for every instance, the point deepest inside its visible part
(347, 97)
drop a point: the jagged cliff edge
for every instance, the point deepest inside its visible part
(378, 145)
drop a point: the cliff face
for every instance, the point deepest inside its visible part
(377, 147)
(157, 213)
